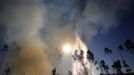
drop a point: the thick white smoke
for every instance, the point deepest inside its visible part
(83, 66)
(23, 20)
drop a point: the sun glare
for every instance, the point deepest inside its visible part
(67, 48)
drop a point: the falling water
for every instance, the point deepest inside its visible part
(83, 66)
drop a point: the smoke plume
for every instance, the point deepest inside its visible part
(23, 20)
(40, 27)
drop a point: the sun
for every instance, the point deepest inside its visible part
(67, 48)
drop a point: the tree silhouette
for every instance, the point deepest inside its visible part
(7, 70)
(90, 56)
(120, 48)
(113, 66)
(117, 66)
(78, 57)
(104, 66)
(75, 55)
(81, 56)
(109, 52)
(95, 62)
(54, 71)
(129, 45)
(99, 66)
(124, 64)
(5, 47)
(3, 53)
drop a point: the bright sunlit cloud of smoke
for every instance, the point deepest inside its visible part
(77, 67)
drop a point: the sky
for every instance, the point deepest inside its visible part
(41, 27)
(113, 39)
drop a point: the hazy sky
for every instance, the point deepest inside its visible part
(41, 27)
